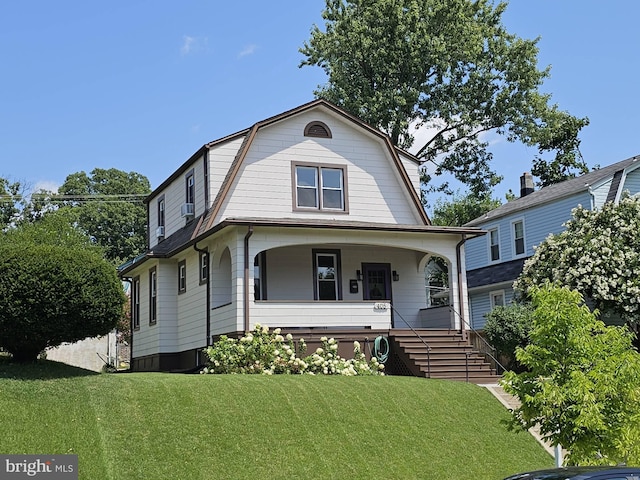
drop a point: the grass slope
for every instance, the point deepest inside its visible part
(164, 426)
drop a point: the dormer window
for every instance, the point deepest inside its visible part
(319, 187)
(317, 129)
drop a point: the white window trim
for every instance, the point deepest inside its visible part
(492, 296)
(497, 230)
(513, 238)
(182, 276)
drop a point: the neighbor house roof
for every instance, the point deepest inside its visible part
(560, 190)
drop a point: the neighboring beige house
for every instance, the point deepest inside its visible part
(310, 221)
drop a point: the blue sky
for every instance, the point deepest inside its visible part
(140, 85)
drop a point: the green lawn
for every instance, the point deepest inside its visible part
(170, 426)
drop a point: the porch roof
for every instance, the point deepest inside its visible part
(188, 235)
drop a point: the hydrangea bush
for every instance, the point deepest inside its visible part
(268, 352)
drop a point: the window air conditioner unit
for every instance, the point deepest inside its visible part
(160, 232)
(187, 210)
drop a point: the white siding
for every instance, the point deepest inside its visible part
(263, 187)
(191, 305)
(220, 159)
(174, 198)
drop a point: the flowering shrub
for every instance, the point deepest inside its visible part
(598, 255)
(265, 352)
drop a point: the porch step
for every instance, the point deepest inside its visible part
(441, 354)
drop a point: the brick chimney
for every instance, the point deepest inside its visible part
(526, 184)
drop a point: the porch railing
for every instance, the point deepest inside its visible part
(488, 350)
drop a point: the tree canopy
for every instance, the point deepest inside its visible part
(449, 66)
(581, 385)
(10, 198)
(462, 209)
(55, 286)
(108, 207)
(598, 255)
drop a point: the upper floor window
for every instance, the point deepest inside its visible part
(190, 195)
(494, 244)
(161, 207)
(518, 237)
(182, 276)
(317, 129)
(320, 187)
(326, 268)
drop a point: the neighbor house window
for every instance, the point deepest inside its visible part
(497, 299)
(494, 244)
(153, 296)
(190, 184)
(326, 268)
(182, 276)
(518, 237)
(204, 266)
(135, 302)
(319, 187)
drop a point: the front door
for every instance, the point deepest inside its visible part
(376, 282)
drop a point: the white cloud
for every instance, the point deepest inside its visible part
(248, 50)
(191, 45)
(187, 44)
(48, 185)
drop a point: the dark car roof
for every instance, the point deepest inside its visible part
(577, 473)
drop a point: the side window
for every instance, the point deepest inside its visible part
(190, 194)
(161, 212)
(182, 276)
(259, 276)
(494, 245)
(153, 296)
(204, 267)
(135, 302)
(326, 268)
(497, 298)
(518, 237)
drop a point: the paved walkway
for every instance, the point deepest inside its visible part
(511, 402)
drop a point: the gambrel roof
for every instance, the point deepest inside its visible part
(250, 134)
(583, 183)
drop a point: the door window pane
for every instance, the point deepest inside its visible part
(326, 278)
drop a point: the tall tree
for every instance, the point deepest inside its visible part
(108, 207)
(449, 66)
(10, 199)
(462, 209)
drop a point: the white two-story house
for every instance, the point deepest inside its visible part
(307, 220)
(495, 261)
